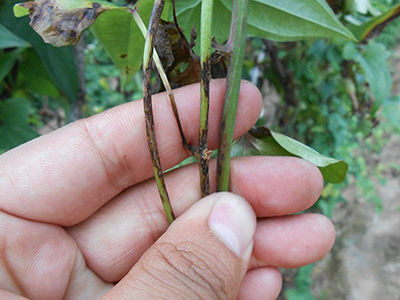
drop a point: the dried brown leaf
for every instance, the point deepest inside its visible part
(61, 26)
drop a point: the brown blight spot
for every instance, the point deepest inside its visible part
(123, 56)
(128, 70)
(58, 26)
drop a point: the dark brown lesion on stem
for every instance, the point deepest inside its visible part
(206, 76)
(173, 49)
(148, 109)
(204, 153)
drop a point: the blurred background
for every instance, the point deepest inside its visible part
(320, 92)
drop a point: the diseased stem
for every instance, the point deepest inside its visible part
(148, 108)
(164, 80)
(205, 57)
(236, 44)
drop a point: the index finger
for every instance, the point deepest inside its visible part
(65, 176)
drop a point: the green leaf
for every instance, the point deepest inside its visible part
(373, 61)
(15, 111)
(360, 6)
(303, 282)
(117, 31)
(263, 141)
(391, 112)
(61, 22)
(13, 136)
(8, 59)
(375, 25)
(20, 11)
(59, 62)
(33, 77)
(14, 128)
(291, 20)
(7, 62)
(10, 40)
(188, 13)
(278, 20)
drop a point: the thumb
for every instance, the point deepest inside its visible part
(204, 254)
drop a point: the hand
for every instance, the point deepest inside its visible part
(80, 215)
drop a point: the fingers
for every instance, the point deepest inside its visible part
(261, 284)
(41, 261)
(10, 296)
(72, 172)
(276, 186)
(203, 255)
(293, 241)
(115, 237)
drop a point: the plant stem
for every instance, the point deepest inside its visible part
(205, 58)
(236, 43)
(148, 108)
(164, 79)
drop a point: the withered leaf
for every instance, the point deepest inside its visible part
(174, 50)
(61, 22)
(170, 46)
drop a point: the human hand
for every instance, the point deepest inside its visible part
(80, 212)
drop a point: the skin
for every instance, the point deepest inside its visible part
(80, 212)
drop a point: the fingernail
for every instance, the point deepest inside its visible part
(232, 220)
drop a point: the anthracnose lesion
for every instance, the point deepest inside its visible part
(58, 26)
(205, 75)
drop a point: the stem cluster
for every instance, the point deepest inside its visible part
(236, 41)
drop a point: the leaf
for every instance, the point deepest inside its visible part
(59, 62)
(372, 59)
(61, 22)
(8, 59)
(360, 6)
(188, 13)
(375, 25)
(278, 20)
(291, 20)
(20, 11)
(391, 112)
(302, 290)
(7, 62)
(113, 26)
(117, 31)
(10, 40)
(33, 77)
(14, 128)
(263, 141)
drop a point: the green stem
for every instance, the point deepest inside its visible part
(148, 108)
(205, 58)
(236, 45)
